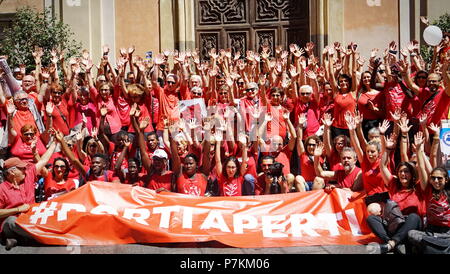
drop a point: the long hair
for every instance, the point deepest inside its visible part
(446, 190)
(412, 171)
(66, 172)
(236, 162)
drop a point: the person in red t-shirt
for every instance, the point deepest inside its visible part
(28, 147)
(189, 177)
(368, 159)
(98, 169)
(57, 182)
(406, 193)
(231, 172)
(17, 193)
(333, 147)
(158, 177)
(57, 111)
(350, 177)
(275, 147)
(436, 191)
(344, 92)
(308, 179)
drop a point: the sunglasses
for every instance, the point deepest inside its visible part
(223, 93)
(434, 178)
(311, 145)
(30, 134)
(305, 93)
(170, 82)
(58, 166)
(22, 100)
(57, 93)
(381, 71)
(197, 93)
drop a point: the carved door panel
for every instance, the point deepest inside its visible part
(248, 24)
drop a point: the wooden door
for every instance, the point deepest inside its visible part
(248, 24)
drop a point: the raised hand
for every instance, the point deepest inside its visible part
(327, 120)
(350, 120)
(159, 59)
(242, 138)
(192, 124)
(144, 123)
(302, 120)
(418, 139)
(10, 107)
(318, 151)
(435, 128)
(423, 118)
(311, 75)
(133, 109)
(397, 114)
(103, 110)
(403, 124)
(391, 141)
(49, 108)
(94, 132)
(105, 50)
(131, 49)
(384, 127)
(218, 136)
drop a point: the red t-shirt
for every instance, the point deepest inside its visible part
(307, 167)
(157, 181)
(140, 180)
(342, 104)
(109, 176)
(438, 211)
(61, 117)
(11, 197)
(396, 98)
(195, 186)
(260, 185)
(437, 108)
(409, 200)
(372, 180)
(247, 107)
(278, 125)
(23, 151)
(378, 101)
(312, 115)
(51, 187)
(346, 180)
(112, 116)
(230, 186)
(168, 106)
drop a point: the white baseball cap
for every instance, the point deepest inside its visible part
(160, 154)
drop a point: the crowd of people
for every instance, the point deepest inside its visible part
(235, 123)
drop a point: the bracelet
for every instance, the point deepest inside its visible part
(436, 138)
(393, 51)
(404, 136)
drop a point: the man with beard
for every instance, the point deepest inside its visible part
(348, 178)
(433, 98)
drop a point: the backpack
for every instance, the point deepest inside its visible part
(392, 216)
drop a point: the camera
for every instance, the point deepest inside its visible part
(275, 171)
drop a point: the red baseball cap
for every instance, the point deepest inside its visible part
(14, 162)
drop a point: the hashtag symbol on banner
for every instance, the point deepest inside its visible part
(42, 212)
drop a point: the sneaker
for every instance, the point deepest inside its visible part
(400, 249)
(10, 244)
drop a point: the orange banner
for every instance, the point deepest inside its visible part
(105, 214)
